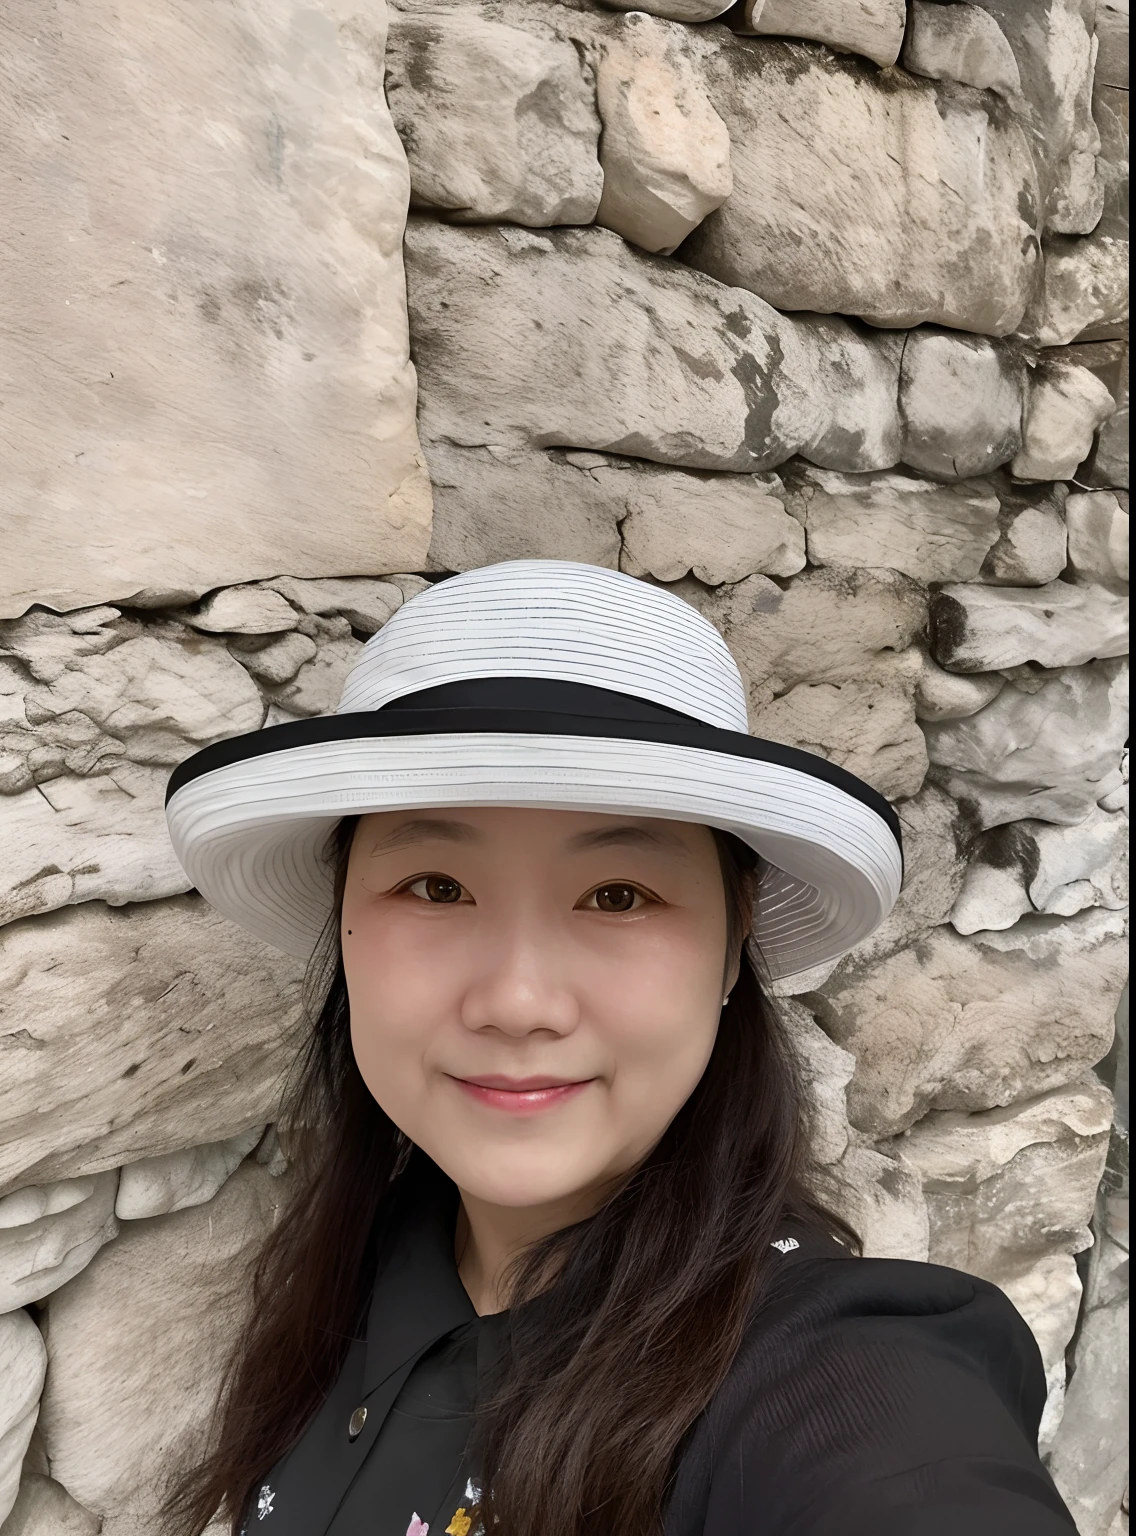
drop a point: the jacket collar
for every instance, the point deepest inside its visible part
(418, 1296)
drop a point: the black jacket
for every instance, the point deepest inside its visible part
(871, 1397)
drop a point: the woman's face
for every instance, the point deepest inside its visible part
(534, 994)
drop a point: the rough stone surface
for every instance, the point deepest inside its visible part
(829, 626)
(128, 1314)
(1055, 51)
(1048, 746)
(23, 1360)
(141, 1031)
(222, 350)
(154, 1186)
(720, 527)
(1090, 1457)
(943, 695)
(1065, 405)
(1031, 546)
(928, 531)
(48, 1234)
(1098, 540)
(1029, 1010)
(665, 152)
(1030, 866)
(45, 1508)
(498, 124)
(960, 42)
(79, 696)
(76, 839)
(983, 629)
(674, 10)
(873, 28)
(867, 727)
(826, 1071)
(882, 1200)
(901, 204)
(243, 611)
(960, 398)
(636, 356)
(1084, 290)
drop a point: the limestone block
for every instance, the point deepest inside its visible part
(825, 1071)
(936, 841)
(928, 531)
(1047, 747)
(97, 839)
(49, 1233)
(853, 376)
(882, 1200)
(665, 152)
(867, 727)
(960, 42)
(1031, 546)
(829, 626)
(981, 629)
(1089, 1460)
(960, 397)
(152, 696)
(212, 349)
(1048, 1295)
(316, 687)
(364, 602)
(898, 200)
(1098, 540)
(23, 1361)
(721, 527)
(1085, 288)
(1025, 1011)
(243, 611)
(1030, 866)
(1065, 405)
(278, 661)
(154, 1186)
(572, 338)
(127, 1034)
(160, 1308)
(45, 1508)
(489, 500)
(674, 10)
(498, 124)
(943, 695)
(1107, 464)
(873, 28)
(1055, 51)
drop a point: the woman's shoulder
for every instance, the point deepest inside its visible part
(867, 1392)
(871, 1310)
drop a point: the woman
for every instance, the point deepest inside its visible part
(553, 1265)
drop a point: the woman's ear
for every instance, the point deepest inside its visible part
(742, 930)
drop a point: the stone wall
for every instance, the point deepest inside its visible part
(813, 313)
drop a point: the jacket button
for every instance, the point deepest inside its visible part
(355, 1427)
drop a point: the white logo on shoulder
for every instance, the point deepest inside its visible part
(264, 1503)
(785, 1244)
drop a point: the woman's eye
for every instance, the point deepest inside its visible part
(439, 889)
(615, 898)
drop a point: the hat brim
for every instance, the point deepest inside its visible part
(250, 817)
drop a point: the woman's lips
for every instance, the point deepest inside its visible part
(525, 1096)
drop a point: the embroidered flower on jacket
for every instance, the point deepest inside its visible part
(417, 1527)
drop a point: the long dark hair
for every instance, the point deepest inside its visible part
(608, 1369)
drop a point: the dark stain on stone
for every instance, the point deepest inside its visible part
(192, 1062)
(210, 306)
(700, 367)
(1011, 847)
(947, 627)
(761, 400)
(130, 1071)
(738, 323)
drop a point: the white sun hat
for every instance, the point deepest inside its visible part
(538, 683)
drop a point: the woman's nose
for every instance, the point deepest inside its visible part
(517, 987)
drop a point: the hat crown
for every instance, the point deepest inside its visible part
(554, 619)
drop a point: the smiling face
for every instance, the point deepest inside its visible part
(534, 994)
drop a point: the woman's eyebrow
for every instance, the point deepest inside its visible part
(628, 836)
(423, 829)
